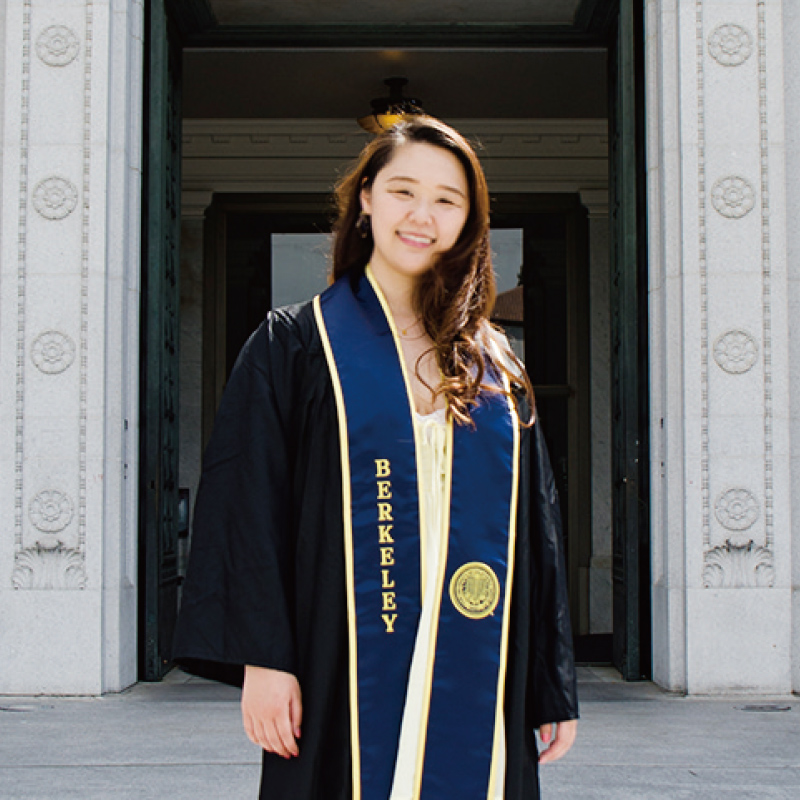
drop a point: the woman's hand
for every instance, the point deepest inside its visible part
(272, 710)
(566, 732)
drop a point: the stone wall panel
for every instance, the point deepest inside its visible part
(64, 410)
(728, 507)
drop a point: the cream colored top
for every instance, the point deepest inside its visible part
(431, 433)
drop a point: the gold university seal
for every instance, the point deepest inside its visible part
(475, 590)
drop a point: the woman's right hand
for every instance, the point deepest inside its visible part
(272, 710)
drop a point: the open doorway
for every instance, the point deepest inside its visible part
(269, 107)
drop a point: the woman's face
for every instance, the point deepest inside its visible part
(418, 204)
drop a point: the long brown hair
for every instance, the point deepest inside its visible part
(455, 298)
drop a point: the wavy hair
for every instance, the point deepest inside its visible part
(455, 298)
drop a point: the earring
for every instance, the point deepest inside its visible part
(363, 225)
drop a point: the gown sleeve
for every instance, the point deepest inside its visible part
(552, 694)
(237, 599)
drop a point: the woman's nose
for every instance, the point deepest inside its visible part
(421, 211)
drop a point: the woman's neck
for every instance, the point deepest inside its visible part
(398, 291)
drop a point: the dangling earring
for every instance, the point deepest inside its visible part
(363, 225)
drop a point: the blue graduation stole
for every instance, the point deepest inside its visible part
(384, 559)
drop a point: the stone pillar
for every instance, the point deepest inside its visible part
(791, 36)
(600, 588)
(719, 346)
(69, 308)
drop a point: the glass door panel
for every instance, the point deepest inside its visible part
(272, 260)
(542, 279)
(300, 263)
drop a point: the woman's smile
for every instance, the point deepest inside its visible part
(416, 239)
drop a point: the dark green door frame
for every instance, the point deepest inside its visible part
(158, 430)
(200, 28)
(630, 403)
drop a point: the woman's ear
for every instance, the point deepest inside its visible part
(366, 199)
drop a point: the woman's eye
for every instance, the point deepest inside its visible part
(404, 192)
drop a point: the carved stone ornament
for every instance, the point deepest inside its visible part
(736, 352)
(55, 198)
(53, 352)
(736, 509)
(734, 565)
(51, 511)
(733, 197)
(56, 567)
(730, 45)
(57, 46)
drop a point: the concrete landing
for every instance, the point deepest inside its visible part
(182, 739)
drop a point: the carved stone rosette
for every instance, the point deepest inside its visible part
(733, 197)
(736, 352)
(55, 198)
(730, 45)
(50, 511)
(57, 46)
(736, 509)
(53, 352)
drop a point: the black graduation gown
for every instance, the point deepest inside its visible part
(266, 576)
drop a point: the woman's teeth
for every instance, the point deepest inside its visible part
(413, 237)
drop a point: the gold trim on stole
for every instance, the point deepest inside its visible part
(512, 541)
(437, 599)
(347, 517)
(412, 408)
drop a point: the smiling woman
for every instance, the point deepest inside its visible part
(440, 193)
(377, 542)
(417, 206)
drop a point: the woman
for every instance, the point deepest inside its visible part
(377, 537)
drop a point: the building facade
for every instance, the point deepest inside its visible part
(165, 178)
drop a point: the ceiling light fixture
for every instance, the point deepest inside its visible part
(388, 111)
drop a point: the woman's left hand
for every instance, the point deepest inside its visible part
(566, 732)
